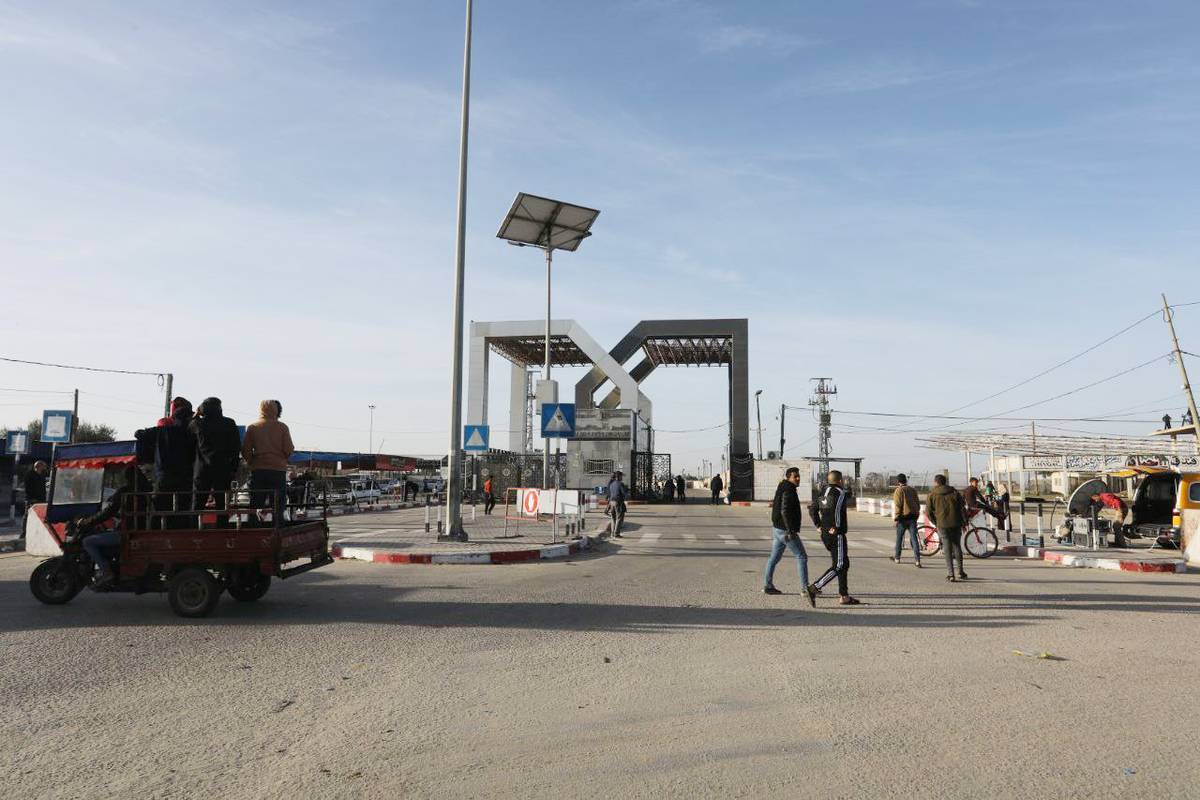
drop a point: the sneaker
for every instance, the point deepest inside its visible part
(962, 576)
(895, 560)
(771, 590)
(917, 564)
(850, 601)
(951, 578)
(812, 592)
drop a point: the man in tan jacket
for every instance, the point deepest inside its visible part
(267, 448)
(906, 510)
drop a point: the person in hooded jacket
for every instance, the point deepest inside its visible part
(218, 451)
(946, 509)
(174, 462)
(267, 448)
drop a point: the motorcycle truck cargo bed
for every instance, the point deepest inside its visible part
(268, 549)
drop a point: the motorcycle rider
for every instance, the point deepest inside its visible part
(103, 546)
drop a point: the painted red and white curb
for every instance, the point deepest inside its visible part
(1065, 559)
(338, 511)
(1120, 564)
(470, 557)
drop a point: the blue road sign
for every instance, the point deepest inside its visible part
(56, 426)
(558, 420)
(475, 438)
(17, 443)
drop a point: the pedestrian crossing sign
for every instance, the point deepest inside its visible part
(558, 420)
(475, 438)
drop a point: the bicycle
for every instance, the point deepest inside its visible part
(979, 541)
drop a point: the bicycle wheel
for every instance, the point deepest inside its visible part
(980, 542)
(929, 539)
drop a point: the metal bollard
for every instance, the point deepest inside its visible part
(1022, 522)
(1039, 520)
(439, 520)
(427, 515)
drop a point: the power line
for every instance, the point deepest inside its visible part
(84, 369)
(997, 419)
(35, 391)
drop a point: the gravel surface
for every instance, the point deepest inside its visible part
(652, 667)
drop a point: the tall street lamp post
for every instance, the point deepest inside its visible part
(454, 529)
(758, 411)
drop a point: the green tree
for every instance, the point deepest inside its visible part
(84, 431)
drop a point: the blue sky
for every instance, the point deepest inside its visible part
(928, 201)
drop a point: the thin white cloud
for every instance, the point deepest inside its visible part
(725, 38)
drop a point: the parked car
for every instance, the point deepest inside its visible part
(365, 491)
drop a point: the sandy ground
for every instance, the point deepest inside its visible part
(654, 667)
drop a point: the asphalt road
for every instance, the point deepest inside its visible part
(651, 668)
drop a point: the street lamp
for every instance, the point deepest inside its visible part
(371, 430)
(454, 529)
(758, 411)
(549, 225)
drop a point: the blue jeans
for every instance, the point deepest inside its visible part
(103, 547)
(794, 544)
(910, 526)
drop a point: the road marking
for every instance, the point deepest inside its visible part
(691, 537)
(650, 538)
(730, 538)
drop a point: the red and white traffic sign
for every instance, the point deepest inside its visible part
(530, 501)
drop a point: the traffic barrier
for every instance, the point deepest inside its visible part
(563, 509)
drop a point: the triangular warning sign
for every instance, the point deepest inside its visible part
(558, 422)
(476, 439)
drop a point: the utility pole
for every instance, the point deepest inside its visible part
(1033, 434)
(1187, 386)
(820, 402)
(167, 402)
(75, 417)
(782, 415)
(371, 433)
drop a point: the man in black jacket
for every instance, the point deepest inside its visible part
(218, 451)
(716, 485)
(785, 520)
(174, 463)
(829, 512)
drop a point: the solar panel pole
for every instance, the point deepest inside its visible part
(546, 440)
(454, 528)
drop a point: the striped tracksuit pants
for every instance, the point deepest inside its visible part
(835, 543)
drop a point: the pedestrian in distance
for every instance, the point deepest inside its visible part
(489, 496)
(947, 512)
(267, 448)
(35, 491)
(669, 490)
(1166, 422)
(786, 517)
(618, 494)
(1186, 419)
(681, 488)
(829, 514)
(218, 453)
(716, 485)
(906, 511)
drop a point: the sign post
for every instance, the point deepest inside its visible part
(16, 445)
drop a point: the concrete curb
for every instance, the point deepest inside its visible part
(1059, 558)
(549, 551)
(1121, 564)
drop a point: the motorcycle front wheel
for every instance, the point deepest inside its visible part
(54, 582)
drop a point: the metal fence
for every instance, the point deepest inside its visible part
(650, 472)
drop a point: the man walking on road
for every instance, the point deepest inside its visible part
(906, 511)
(947, 514)
(716, 485)
(617, 495)
(681, 488)
(785, 520)
(829, 513)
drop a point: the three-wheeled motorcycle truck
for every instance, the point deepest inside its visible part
(166, 545)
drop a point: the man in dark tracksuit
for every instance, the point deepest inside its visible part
(829, 514)
(174, 464)
(218, 451)
(716, 485)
